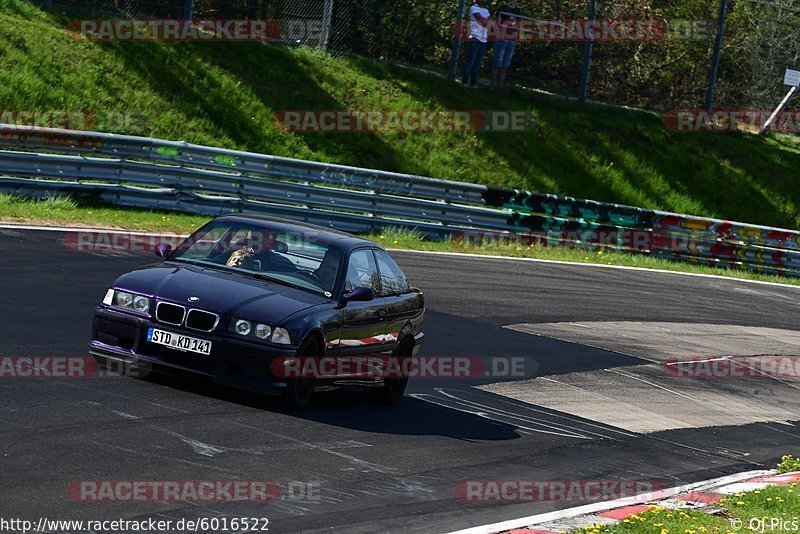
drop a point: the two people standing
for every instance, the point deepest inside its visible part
(504, 32)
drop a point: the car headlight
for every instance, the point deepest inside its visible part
(124, 299)
(281, 336)
(263, 331)
(141, 304)
(242, 327)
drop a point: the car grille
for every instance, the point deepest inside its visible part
(201, 320)
(170, 313)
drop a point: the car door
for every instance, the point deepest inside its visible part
(401, 306)
(363, 323)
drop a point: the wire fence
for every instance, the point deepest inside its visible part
(769, 32)
(664, 66)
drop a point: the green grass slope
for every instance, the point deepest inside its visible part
(227, 94)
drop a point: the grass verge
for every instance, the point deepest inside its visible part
(67, 211)
(772, 509)
(789, 464)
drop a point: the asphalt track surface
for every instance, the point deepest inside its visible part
(377, 468)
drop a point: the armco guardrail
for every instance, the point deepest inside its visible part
(175, 175)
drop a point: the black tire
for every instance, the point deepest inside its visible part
(300, 390)
(393, 388)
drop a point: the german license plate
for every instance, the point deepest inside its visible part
(179, 341)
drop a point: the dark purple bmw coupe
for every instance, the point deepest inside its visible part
(246, 295)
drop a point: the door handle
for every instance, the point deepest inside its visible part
(382, 314)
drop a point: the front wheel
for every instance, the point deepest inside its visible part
(394, 387)
(299, 390)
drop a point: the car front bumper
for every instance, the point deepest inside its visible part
(120, 338)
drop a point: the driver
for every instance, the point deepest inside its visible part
(326, 272)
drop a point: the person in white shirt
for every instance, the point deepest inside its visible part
(476, 43)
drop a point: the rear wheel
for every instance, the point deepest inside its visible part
(395, 386)
(299, 390)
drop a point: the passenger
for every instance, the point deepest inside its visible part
(242, 258)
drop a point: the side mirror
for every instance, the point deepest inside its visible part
(359, 294)
(163, 250)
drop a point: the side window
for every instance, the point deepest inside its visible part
(393, 280)
(362, 272)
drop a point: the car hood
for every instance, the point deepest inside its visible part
(227, 293)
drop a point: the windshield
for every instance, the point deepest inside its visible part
(295, 259)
